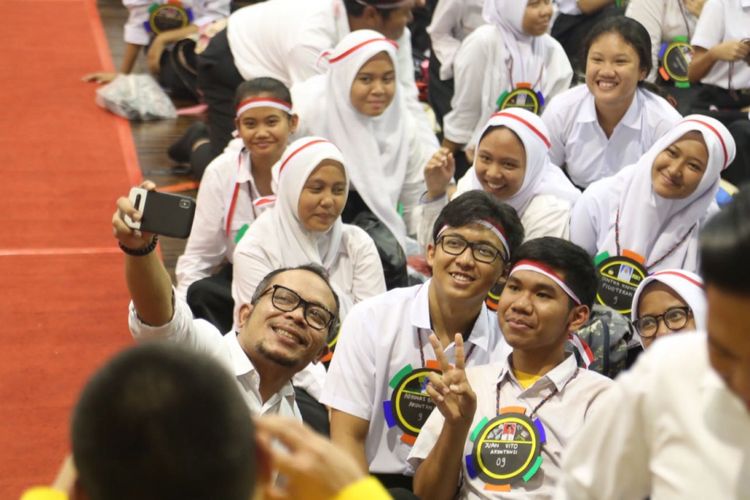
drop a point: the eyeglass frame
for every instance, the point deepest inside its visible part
(472, 245)
(300, 302)
(663, 318)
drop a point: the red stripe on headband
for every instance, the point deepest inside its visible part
(541, 266)
(294, 153)
(496, 226)
(683, 276)
(360, 45)
(272, 99)
(721, 139)
(529, 125)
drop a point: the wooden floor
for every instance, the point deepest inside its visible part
(151, 138)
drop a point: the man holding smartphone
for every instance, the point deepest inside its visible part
(282, 330)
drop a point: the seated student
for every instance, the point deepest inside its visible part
(234, 192)
(722, 64)
(677, 425)
(153, 26)
(672, 298)
(537, 391)
(358, 106)
(598, 128)
(140, 430)
(574, 20)
(282, 328)
(284, 38)
(655, 207)
(373, 385)
(305, 226)
(452, 22)
(511, 162)
(512, 52)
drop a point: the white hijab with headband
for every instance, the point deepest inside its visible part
(279, 231)
(663, 231)
(541, 176)
(687, 285)
(376, 148)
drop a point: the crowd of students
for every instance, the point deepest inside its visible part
(336, 220)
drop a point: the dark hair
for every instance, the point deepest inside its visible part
(478, 205)
(725, 245)
(356, 9)
(498, 127)
(312, 268)
(567, 258)
(262, 85)
(634, 35)
(162, 422)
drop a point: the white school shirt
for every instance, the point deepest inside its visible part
(378, 339)
(204, 337)
(204, 12)
(664, 20)
(469, 109)
(580, 145)
(723, 20)
(452, 22)
(546, 215)
(563, 416)
(669, 429)
(209, 245)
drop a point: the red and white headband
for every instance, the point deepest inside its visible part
(496, 230)
(298, 150)
(670, 272)
(530, 126)
(716, 132)
(537, 267)
(349, 51)
(385, 5)
(263, 102)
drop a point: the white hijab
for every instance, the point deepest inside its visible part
(687, 285)
(376, 148)
(279, 230)
(650, 225)
(541, 176)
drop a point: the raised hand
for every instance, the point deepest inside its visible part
(129, 237)
(438, 173)
(450, 390)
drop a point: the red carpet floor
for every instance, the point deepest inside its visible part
(63, 162)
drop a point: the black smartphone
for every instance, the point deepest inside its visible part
(163, 213)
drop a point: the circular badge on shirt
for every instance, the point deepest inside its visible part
(168, 16)
(618, 278)
(675, 59)
(507, 449)
(521, 97)
(410, 403)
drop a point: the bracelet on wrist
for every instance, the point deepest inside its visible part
(140, 252)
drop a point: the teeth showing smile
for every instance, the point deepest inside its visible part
(606, 85)
(287, 335)
(462, 277)
(495, 185)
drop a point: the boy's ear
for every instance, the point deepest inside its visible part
(578, 317)
(244, 314)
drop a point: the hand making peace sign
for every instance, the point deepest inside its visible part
(450, 390)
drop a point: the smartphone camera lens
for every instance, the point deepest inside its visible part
(185, 204)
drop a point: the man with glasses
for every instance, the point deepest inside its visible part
(375, 384)
(283, 329)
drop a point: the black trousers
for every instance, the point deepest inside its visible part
(439, 92)
(218, 79)
(211, 299)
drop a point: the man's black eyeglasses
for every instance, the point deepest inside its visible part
(286, 300)
(482, 252)
(675, 318)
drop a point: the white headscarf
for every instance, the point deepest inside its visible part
(541, 176)
(689, 286)
(376, 148)
(652, 226)
(525, 53)
(279, 230)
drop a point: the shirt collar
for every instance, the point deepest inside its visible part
(420, 318)
(243, 366)
(559, 376)
(632, 118)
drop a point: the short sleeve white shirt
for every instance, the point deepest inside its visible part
(669, 429)
(581, 146)
(720, 21)
(452, 21)
(204, 12)
(204, 337)
(576, 395)
(209, 244)
(379, 337)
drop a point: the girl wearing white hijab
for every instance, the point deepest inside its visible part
(304, 226)
(512, 163)
(512, 51)
(655, 207)
(358, 107)
(668, 301)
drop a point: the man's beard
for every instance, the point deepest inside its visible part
(277, 358)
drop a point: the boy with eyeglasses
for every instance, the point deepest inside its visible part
(284, 328)
(375, 384)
